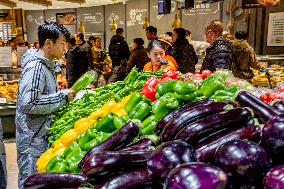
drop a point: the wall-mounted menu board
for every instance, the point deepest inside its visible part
(50, 15)
(136, 11)
(162, 22)
(196, 19)
(92, 17)
(259, 3)
(113, 11)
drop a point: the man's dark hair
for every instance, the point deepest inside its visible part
(52, 31)
(119, 31)
(13, 39)
(241, 35)
(92, 38)
(169, 33)
(72, 41)
(152, 30)
(138, 41)
(81, 36)
(181, 33)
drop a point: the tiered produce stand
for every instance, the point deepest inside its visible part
(166, 130)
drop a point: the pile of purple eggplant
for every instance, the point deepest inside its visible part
(202, 145)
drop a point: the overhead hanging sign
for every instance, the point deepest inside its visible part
(275, 36)
(259, 3)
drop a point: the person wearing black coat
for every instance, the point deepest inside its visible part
(138, 56)
(183, 52)
(118, 48)
(76, 66)
(219, 55)
(86, 50)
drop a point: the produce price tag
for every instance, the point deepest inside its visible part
(3, 100)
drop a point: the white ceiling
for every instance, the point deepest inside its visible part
(60, 4)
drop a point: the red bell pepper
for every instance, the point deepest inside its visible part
(171, 74)
(149, 88)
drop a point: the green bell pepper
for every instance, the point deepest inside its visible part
(165, 87)
(184, 87)
(60, 167)
(88, 136)
(171, 101)
(70, 148)
(212, 85)
(208, 78)
(140, 111)
(186, 97)
(223, 93)
(149, 125)
(134, 99)
(223, 98)
(164, 105)
(232, 89)
(106, 124)
(74, 161)
(99, 139)
(51, 164)
(120, 121)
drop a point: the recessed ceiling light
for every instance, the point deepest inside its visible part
(58, 7)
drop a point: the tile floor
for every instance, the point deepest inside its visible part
(11, 164)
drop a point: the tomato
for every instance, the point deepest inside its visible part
(271, 96)
(264, 98)
(205, 73)
(268, 97)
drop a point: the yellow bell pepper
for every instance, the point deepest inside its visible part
(42, 162)
(119, 110)
(68, 137)
(125, 100)
(58, 145)
(81, 121)
(59, 151)
(44, 159)
(84, 126)
(109, 106)
(98, 114)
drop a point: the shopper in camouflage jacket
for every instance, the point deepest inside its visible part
(38, 97)
(244, 57)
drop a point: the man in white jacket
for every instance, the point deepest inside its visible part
(38, 96)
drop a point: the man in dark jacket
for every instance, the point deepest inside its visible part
(138, 56)
(86, 50)
(75, 64)
(151, 34)
(118, 48)
(220, 52)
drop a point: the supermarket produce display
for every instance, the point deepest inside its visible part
(166, 130)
